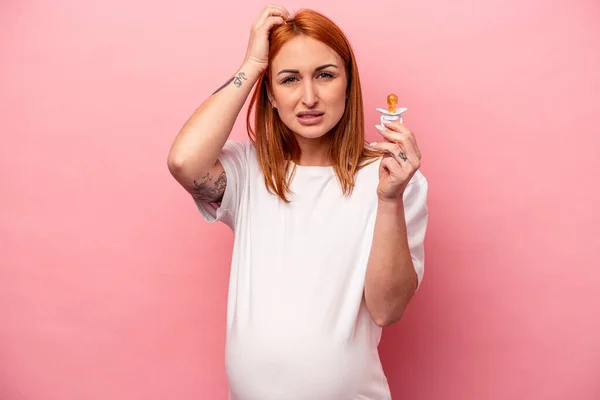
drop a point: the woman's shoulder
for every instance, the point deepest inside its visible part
(241, 149)
(240, 145)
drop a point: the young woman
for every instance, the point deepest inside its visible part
(328, 230)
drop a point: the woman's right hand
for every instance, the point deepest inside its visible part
(258, 45)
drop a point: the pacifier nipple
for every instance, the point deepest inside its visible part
(392, 100)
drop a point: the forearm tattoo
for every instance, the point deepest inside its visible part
(237, 81)
(210, 189)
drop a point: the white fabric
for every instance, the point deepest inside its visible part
(297, 325)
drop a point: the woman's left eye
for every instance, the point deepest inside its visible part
(325, 75)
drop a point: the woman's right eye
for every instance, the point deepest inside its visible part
(289, 79)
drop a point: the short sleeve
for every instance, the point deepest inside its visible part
(416, 214)
(234, 158)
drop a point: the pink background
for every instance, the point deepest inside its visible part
(113, 287)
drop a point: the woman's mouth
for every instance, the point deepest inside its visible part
(310, 117)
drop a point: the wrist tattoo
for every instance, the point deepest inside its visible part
(237, 80)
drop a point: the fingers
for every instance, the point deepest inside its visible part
(397, 127)
(393, 167)
(404, 154)
(396, 132)
(272, 15)
(272, 21)
(405, 141)
(279, 9)
(271, 10)
(394, 151)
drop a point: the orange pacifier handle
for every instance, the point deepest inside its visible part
(392, 100)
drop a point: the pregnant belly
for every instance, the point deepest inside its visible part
(299, 368)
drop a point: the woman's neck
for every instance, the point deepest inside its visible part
(314, 152)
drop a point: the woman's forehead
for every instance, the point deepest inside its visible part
(304, 53)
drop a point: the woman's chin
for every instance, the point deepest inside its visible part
(310, 132)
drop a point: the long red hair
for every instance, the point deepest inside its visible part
(275, 143)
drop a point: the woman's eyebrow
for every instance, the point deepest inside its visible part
(295, 71)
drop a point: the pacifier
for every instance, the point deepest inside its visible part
(392, 113)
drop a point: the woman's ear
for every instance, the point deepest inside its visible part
(269, 93)
(271, 98)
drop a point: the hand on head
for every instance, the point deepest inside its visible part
(258, 44)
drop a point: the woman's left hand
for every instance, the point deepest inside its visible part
(401, 159)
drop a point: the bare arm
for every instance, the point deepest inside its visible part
(397, 252)
(391, 280)
(192, 159)
(193, 156)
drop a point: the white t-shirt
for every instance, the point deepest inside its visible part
(297, 324)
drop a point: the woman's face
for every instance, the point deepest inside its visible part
(308, 81)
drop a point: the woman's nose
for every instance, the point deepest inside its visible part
(309, 96)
